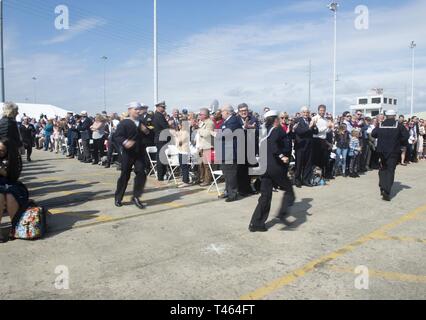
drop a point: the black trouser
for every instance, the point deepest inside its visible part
(86, 150)
(230, 172)
(184, 166)
(268, 181)
(243, 179)
(320, 154)
(303, 164)
(161, 154)
(98, 149)
(28, 145)
(128, 162)
(72, 142)
(388, 163)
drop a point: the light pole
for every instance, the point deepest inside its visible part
(35, 89)
(413, 45)
(155, 55)
(333, 7)
(310, 84)
(105, 58)
(3, 94)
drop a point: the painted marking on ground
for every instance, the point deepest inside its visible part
(385, 275)
(402, 239)
(315, 264)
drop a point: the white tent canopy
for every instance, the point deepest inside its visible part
(35, 110)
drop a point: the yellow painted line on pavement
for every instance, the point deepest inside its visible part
(402, 239)
(385, 275)
(313, 265)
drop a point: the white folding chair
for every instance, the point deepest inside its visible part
(172, 154)
(149, 151)
(216, 174)
(65, 146)
(80, 145)
(293, 155)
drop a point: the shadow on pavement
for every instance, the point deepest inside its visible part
(59, 223)
(397, 188)
(300, 212)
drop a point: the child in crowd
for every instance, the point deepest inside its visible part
(354, 152)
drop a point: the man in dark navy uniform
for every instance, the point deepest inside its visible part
(276, 161)
(160, 125)
(390, 135)
(129, 135)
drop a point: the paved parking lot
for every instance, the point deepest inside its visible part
(188, 244)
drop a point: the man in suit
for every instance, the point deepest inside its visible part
(246, 123)
(175, 119)
(229, 152)
(27, 131)
(129, 135)
(83, 128)
(276, 161)
(161, 130)
(304, 128)
(390, 135)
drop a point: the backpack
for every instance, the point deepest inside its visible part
(30, 224)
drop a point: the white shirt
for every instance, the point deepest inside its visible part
(322, 125)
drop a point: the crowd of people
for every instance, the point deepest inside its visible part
(318, 147)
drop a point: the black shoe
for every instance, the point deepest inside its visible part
(29, 160)
(107, 166)
(308, 184)
(94, 163)
(258, 229)
(138, 203)
(298, 184)
(118, 203)
(386, 197)
(231, 199)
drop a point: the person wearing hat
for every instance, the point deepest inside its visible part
(83, 127)
(160, 125)
(391, 136)
(147, 139)
(278, 145)
(129, 135)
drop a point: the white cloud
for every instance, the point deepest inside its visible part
(80, 27)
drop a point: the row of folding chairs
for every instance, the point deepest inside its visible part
(172, 155)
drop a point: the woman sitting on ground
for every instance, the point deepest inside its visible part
(13, 194)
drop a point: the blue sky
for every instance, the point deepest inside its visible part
(253, 51)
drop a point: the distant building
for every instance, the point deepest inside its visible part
(375, 103)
